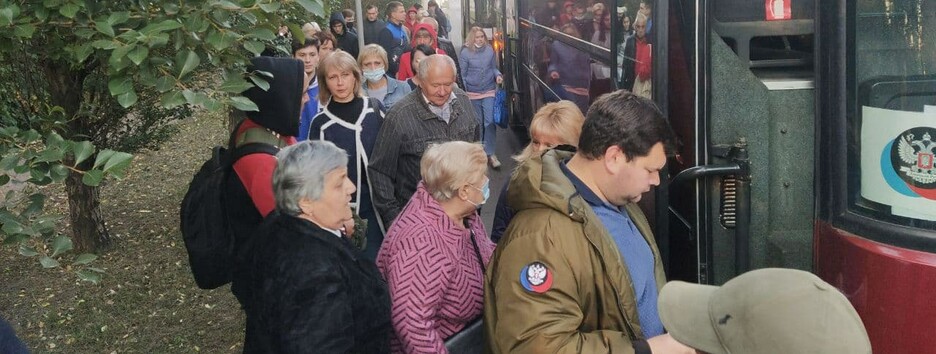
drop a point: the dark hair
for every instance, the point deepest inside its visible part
(347, 13)
(432, 3)
(625, 120)
(324, 36)
(417, 6)
(393, 5)
(371, 6)
(649, 3)
(424, 48)
(308, 42)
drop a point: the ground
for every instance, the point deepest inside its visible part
(147, 301)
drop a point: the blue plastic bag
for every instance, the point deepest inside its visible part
(500, 109)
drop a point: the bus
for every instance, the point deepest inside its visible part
(806, 134)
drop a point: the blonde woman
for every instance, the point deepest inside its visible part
(555, 124)
(478, 64)
(351, 121)
(387, 90)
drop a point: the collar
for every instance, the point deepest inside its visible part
(590, 197)
(426, 100)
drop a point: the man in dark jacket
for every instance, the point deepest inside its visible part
(372, 24)
(349, 21)
(393, 38)
(347, 41)
(435, 113)
(445, 26)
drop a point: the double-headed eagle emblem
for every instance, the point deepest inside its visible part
(917, 157)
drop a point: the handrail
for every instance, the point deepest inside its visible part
(596, 52)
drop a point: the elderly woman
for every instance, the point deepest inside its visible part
(351, 121)
(310, 29)
(554, 125)
(313, 290)
(387, 90)
(433, 255)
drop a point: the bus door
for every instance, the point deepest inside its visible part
(737, 84)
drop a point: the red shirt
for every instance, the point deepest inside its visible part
(644, 65)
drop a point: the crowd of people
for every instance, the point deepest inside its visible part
(384, 142)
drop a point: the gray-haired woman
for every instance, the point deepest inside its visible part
(313, 290)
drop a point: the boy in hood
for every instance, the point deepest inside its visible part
(249, 196)
(423, 33)
(346, 40)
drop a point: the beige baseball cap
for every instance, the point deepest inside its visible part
(769, 310)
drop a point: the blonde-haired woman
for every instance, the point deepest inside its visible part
(351, 121)
(435, 252)
(554, 125)
(478, 65)
(374, 64)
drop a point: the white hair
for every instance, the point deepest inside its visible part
(300, 172)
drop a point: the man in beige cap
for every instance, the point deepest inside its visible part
(764, 311)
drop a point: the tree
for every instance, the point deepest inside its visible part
(81, 60)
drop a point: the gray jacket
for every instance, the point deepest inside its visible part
(407, 131)
(396, 90)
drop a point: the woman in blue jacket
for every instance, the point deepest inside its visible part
(387, 90)
(479, 70)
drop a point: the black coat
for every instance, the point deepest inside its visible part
(313, 292)
(627, 65)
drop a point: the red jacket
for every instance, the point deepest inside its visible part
(406, 71)
(255, 171)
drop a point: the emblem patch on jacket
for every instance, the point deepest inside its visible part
(535, 277)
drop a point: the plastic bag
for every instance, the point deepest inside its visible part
(500, 109)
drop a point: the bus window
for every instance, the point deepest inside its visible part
(892, 135)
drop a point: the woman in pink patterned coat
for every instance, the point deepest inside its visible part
(432, 255)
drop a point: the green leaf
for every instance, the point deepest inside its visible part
(92, 178)
(235, 84)
(25, 30)
(85, 258)
(163, 26)
(270, 6)
(312, 6)
(27, 251)
(260, 82)
(119, 85)
(69, 10)
(58, 173)
(8, 162)
(82, 151)
(102, 157)
(165, 83)
(48, 262)
(61, 245)
(89, 276)
(53, 139)
(83, 51)
(191, 61)
(117, 164)
(138, 54)
(104, 28)
(4, 179)
(118, 57)
(127, 99)
(104, 44)
(6, 16)
(296, 32)
(254, 47)
(36, 204)
(263, 34)
(50, 154)
(227, 5)
(244, 104)
(11, 227)
(117, 18)
(172, 99)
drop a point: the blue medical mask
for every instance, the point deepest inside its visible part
(374, 75)
(485, 191)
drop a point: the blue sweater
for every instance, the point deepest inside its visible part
(309, 110)
(573, 65)
(478, 69)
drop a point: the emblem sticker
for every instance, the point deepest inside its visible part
(908, 163)
(535, 277)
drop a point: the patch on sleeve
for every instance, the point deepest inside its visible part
(535, 277)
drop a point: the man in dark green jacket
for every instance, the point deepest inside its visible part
(578, 270)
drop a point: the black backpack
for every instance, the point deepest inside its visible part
(203, 214)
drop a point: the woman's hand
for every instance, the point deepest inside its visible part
(499, 80)
(348, 227)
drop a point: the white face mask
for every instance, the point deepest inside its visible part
(479, 45)
(374, 75)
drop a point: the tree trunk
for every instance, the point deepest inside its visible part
(89, 232)
(66, 85)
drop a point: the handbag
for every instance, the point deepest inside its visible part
(470, 340)
(500, 109)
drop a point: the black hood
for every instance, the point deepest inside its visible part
(280, 105)
(337, 16)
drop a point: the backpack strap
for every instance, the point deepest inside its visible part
(259, 135)
(252, 148)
